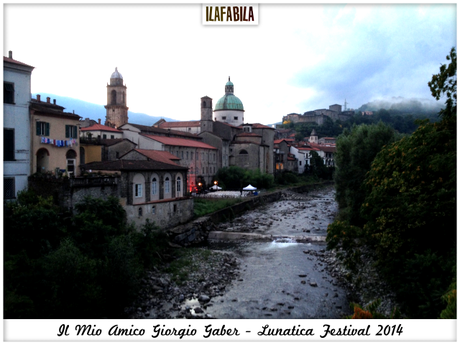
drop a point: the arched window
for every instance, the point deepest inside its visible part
(139, 212)
(167, 186)
(138, 194)
(243, 152)
(154, 186)
(113, 99)
(178, 187)
(71, 156)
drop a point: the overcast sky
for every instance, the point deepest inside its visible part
(299, 58)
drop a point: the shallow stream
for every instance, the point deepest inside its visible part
(282, 278)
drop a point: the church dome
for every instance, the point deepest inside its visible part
(229, 101)
(116, 75)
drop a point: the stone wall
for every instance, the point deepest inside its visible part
(197, 231)
(164, 214)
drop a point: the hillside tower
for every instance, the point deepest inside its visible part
(206, 114)
(117, 111)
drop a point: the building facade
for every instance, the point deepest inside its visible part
(147, 189)
(55, 138)
(16, 124)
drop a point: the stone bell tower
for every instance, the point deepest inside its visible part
(206, 114)
(117, 111)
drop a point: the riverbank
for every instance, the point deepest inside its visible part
(218, 275)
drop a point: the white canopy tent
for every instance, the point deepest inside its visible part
(249, 187)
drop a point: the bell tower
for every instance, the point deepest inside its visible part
(206, 114)
(117, 111)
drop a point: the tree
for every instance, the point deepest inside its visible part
(445, 84)
(409, 209)
(356, 149)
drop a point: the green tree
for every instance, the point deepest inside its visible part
(356, 149)
(409, 210)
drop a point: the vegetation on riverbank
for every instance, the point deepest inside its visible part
(87, 265)
(403, 207)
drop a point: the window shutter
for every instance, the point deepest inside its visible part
(37, 131)
(67, 131)
(47, 129)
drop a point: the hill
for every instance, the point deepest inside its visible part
(97, 111)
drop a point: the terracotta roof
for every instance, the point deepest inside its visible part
(126, 165)
(7, 59)
(159, 156)
(278, 141)
(327, 148)
(176, 124)
(99, 127)
(179, 142)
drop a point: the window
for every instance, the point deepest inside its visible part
(174, 208)
(8, 93)
(178, 186)
(167, 185)
(71, 131)
(187, 155)
(113, 98)
(154, 186)
(153, 209)
(8, 144)
(191, 155)
(104, 136)
(235, 117)
(139, 211)
(112, 137)
(182, 154)
(138, 190)
(9, 188)
(117, 154)
(224, 117)
(43, 128)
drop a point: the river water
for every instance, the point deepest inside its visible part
(282, 278)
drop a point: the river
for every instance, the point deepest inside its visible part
(283, 277)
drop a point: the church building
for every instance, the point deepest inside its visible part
(247, 145)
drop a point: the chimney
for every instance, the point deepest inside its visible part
(38, 98)
(99, 121)
(54, 101)
(48, 99)
(10, 54)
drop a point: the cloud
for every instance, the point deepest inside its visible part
(383, 51)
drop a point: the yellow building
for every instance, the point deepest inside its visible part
(54, 138)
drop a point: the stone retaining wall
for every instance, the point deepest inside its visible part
(198, 230)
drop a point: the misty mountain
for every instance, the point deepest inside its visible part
(404, 105)
(97, 111)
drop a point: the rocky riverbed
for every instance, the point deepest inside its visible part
(279, 278)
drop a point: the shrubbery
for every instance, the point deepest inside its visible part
(403, 206)
(236, 178)
(84, 266)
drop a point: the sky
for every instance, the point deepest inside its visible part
(299, 57)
